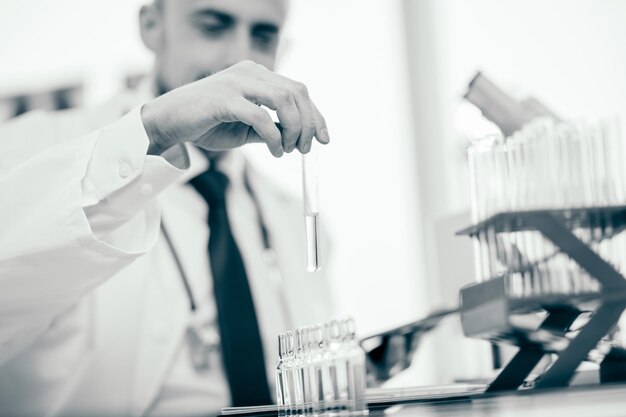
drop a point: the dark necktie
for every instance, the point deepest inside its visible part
(242, 349)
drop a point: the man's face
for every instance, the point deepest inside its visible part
(201, 37)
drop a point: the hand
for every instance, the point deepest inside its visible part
(391, 352)
(223, 111)
(393, 355)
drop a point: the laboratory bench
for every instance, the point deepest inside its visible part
(597, 400)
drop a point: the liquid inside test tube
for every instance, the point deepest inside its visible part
(312, 251)
(310, 191)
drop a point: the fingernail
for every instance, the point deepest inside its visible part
(307, 148)
(324, 137)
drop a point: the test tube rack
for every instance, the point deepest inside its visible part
(489, 312)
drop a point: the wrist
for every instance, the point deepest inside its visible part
(159, 141)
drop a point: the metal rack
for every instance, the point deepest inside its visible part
(488, 311)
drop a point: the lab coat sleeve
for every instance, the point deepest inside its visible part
(72, 216)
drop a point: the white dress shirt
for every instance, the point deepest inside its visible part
(185, 389)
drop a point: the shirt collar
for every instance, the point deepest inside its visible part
(232, 164)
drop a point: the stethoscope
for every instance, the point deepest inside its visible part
(201, 333)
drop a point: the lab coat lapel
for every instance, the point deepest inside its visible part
(163, 323)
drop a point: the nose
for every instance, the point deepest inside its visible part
(240, 48)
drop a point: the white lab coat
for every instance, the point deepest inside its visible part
(89, 327)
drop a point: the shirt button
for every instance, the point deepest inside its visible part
(146, 189)
(124, 170)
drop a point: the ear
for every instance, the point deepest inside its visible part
(151, 26)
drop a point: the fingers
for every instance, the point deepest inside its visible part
(261, 122)
(313, 123)
(298, 115)
(280, 99)
(222, 112)
(317, 128)
(307, 115)
(321, 132)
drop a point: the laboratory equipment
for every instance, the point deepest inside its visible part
(310, 192)
(324, 374)
(546, 165)
(337, 365)
(548, 205)
(355, 366)
(503, 110)
(390, 352)
(302, 367)
(282, 395)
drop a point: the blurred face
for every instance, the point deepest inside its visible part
(196, 38)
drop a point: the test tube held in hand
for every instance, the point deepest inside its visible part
(310, 191)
